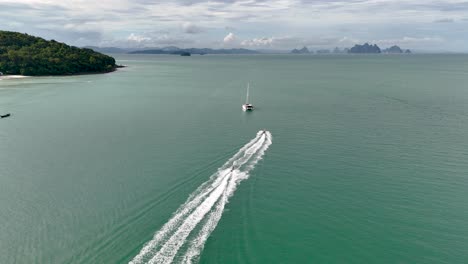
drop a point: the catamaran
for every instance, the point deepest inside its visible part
(247, 106)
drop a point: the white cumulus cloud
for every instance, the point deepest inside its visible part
(258, 42)
(229, 38)
(137, 38)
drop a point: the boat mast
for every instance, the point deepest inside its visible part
(247, 99)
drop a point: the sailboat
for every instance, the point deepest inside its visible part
(247, 106)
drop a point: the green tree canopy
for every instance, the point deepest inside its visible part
(27, 55)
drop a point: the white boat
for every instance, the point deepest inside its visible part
(247, 106)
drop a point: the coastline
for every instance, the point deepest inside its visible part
(8, 77)
(83, 73)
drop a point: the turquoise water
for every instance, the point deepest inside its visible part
(367, 162)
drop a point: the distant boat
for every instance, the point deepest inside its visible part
(247, 106)
(5, 115)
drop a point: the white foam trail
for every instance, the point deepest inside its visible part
(170, 248)
(206, 203)
(197, 244)
(193, 201)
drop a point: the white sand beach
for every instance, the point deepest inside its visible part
(6, 77)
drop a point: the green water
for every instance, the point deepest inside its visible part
(368, 162)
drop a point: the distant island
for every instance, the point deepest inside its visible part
(304, 50)
(199, 51)
(113, 50)
(367, 48)
(172, 50)
(323, 51)
(396, 50)
(22, 54)
(364, 48)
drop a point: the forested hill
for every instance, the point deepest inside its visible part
(27, 55)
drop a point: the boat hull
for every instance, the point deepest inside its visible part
(247, 107)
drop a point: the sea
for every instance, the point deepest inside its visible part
(345, 159)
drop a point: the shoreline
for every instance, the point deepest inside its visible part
(9, 77)
(16, 76)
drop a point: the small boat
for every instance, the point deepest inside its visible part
(247, 106)
(5, 115)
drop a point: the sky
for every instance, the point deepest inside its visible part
(426, 25)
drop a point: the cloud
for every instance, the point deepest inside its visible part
(412, 42)
(229, 39)
(347, 41)
(230, 28)
(191, 28)
(152, 39)
(138, 38)
(258, 42)
(444, 20)
(281, 24)
(288, 42)
(168, 39)
(273, 42)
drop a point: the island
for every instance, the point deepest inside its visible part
(393, 49)
(366, 48)
(396, 50)
(323, 51)
(22, 54)
(304, 50)
(199, 51)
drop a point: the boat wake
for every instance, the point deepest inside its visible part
(182, 238)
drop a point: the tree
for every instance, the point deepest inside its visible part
(28, 55)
